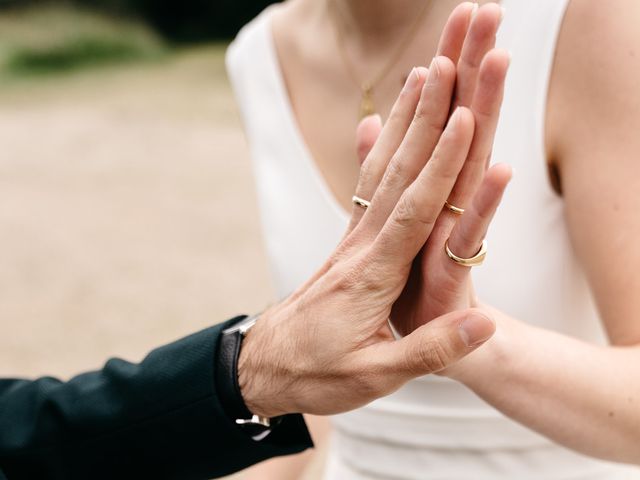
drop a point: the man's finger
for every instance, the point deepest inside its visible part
(435, 346)
(485, 106)
(455, 31)
(417, 210)
(389, 139)
(479, 40)
(417, 146)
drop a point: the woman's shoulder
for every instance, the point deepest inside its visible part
(261, 29)
(597, 66)
(242, 50)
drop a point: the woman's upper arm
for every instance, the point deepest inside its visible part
(593, 135)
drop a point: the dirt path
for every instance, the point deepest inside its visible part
(127, 213)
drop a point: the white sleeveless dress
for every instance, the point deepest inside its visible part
(434, 428)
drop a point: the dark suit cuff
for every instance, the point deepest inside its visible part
(288, 437)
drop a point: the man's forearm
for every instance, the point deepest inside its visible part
(160, 418)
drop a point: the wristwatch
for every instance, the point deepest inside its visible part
(255, 426)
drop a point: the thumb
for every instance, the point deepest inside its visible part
(441, 342)
(367, 133)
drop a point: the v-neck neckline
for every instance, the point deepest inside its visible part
(292, 121)
(287, 110)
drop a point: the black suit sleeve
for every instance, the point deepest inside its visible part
(158, 419)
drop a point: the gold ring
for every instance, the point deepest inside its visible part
(361, 202)
(454, 209)
(474, 261)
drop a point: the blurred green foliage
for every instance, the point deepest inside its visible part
(178, 21)
(46, 39)
(80, 52)
(190, 20)
(44, 36)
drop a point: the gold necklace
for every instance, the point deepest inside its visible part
(367, 104)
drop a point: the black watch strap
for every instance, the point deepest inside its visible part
(227, 382)
(227, 371)
(291, 432)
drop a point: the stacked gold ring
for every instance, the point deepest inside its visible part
(474, 261)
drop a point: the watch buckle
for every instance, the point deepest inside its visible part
(255, 420)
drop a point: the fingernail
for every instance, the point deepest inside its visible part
(474, 10)
(412, 80)
(434, 71)
(476, 329)
(422, 72)
(455, 118)
(502, 12)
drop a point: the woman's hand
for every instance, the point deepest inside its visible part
(328, 349)
(477, 72)
(580, 395)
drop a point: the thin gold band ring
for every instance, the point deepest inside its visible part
(454, 209)
(361, 202)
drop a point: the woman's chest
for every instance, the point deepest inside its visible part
(326, 94)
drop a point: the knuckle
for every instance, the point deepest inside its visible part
(369, 385)
(470, 64)
(371, 280)
(434, 356)
(426, 120)
(348, 280)
(359, 277)
(420, 114)
(400, 112)
(365, 175)
(360, 376)
(444, 169)
(484, 114)
(338, 255)
(394, 172)
(408, 213)
(403, 97)
(405, 214)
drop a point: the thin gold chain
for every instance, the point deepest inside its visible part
(366, 87)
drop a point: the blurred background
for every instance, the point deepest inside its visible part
(127, 211)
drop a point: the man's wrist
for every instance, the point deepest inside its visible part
(256, 375)
(288, 432)
(226, 377)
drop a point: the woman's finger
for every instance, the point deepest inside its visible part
(412, 220)
(367, 133)
(450, 45)
(418, 144)
(390, 138)
(455, 31)
(480, 38)
(485, 106)
(467, 235)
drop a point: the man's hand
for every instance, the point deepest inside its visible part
(328, 348)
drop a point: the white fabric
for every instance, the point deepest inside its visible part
(434, 428)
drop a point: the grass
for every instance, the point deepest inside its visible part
(57, 39)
